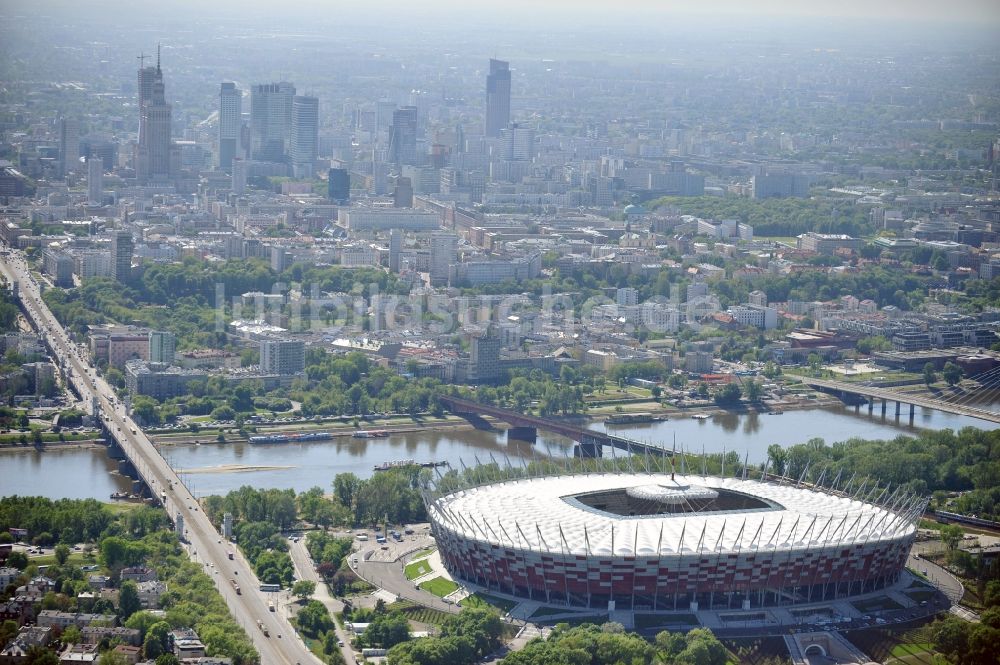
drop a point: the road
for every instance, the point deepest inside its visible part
(204, 542)
(306, 570)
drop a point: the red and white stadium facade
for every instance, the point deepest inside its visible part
(654, 541)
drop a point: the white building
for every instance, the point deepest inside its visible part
(380, 220)
(765, 318)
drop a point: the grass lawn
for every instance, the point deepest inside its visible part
(75, 558)
(417, 569)
(439, 586)
(422, 553)
(486, 600)
(419, 613)
(916, 654)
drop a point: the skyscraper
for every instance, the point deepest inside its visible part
(305, 135)
(153, 156)
(403, 139)
(517, 143)
(69, 145)
(121, 255)
(239, 176)
(95, 179)
(162, 346)
(395, 246)
(281, 356)
(230, 122)
(338, 185)
(442, 256)
(497, 97)
(271, 121)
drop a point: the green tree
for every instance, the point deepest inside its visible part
(167, 659)
(753, 391)
(728, 395)
(157, 640)
(128, 600)
(303, 589)
(62, 553)
(952, 373)
(17, 559)
(951, 535)
(71, 635)
(112, 658)
(930, 375)
(38, 655)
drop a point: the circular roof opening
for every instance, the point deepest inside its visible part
(672, 493)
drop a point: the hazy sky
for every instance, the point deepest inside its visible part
(963, 11)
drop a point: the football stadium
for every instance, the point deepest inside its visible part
(665, 541)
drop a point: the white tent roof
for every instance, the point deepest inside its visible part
(534, 514)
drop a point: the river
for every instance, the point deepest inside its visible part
(217, 468)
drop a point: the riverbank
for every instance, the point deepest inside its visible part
(81, 443)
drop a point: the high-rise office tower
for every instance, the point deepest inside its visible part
(403, 139)
(282, 357)
(230, 123)
(95, 179)
(383, 115)
(443, 251)
(305, 135)
(162, 346)
(121, 255)
(271, 121)
(497, 97)
(239, 176)
(153, 153)
(517, 143)
(69, 146)
(395, 246)
(338, 185)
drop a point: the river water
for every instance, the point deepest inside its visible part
(88, 472)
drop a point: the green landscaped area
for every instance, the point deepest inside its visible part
(877, 604)
(915, 654)
(419, 613)
(417, 569)
(439, 586)
(486, 600)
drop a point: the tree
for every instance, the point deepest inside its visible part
(952, 373)
(157, 640)
(930, 376)
(387, 630)
(728, 395)
(112, 658)
(128, 600)
(72, 635)
(753, 391)
(38, 655)
(777, 456)
(314, 619)
(951, 535)
(62, 554)
(167, 659)
(17, 560)
(303, 589)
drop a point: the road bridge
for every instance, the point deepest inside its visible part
(845, 390)
(248, 604)
(525, 427)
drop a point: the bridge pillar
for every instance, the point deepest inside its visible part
(913, 410)
(114, 450)
(529, 434)
(883, 407)
(898, 406)
(871, 405)
(125, 468)
(588, 449)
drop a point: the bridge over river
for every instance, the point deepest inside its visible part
(525, 427)
(846, 390)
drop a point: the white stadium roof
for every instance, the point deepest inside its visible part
(540, 514)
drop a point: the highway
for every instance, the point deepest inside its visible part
(204, 543)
